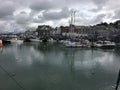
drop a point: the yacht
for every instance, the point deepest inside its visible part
(104, 44)
(84, 43)
(16, 40)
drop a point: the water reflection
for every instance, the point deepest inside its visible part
(55, 55)
(53, 64)
(1, 49)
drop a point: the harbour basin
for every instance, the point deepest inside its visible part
(33, 66)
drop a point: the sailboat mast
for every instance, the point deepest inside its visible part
(74, 16)
(72, 21)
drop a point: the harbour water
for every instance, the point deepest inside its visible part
(33, 66)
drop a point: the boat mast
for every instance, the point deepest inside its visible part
(74, 12)
(71, 21)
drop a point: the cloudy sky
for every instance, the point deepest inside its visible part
(19, 15)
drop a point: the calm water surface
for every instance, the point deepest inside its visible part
(31, 67)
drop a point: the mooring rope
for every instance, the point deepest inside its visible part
(12, 78)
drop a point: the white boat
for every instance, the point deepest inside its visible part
(51, 40)
(65, 42)
(17, 41)
(76, 44)
(35, 40)
(61, 41)
(104, 44)
(72, 44)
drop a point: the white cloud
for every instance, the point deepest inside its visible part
(33, 12)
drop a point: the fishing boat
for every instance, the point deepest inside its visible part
(1, 44)
(104, 44)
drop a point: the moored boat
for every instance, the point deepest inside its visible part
(77, 44)
(104, 44)
(44, 40)
(5, 41)
(27, 40)
(51, 40)
(17, 41)
(35, 40)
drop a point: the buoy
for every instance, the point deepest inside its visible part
(1, 43)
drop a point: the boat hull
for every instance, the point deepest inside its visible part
(76, 44)
(27, 40)
(17, 41)
(6, 42)
(108, 47)
(35, 40)
(104, 45)
(68, 45)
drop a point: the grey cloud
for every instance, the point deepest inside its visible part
(117, 14)
(23, 12)
(22, 18)
(95, 20)
(41, 5)
(18, 27)
(6, 8)
(12, 27)
(77, 1)
(99, 4)
(2, 27)
(37, 20)
(64, 13)
(98, 19)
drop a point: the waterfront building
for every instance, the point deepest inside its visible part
(44, 31)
